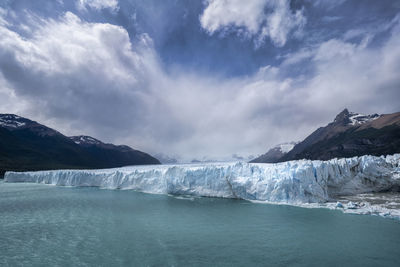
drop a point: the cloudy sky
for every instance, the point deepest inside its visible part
(195, 79)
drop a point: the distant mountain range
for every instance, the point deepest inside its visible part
(350, 134)
(27, 145)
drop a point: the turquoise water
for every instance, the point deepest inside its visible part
(43, 225)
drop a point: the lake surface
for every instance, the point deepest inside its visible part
(42, 225)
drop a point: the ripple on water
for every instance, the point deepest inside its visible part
(56, 226)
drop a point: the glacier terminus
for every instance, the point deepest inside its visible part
(292, 182)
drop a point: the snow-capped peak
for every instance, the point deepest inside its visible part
(351, 118)
(357, 118)
(83, 139)
(11, 121)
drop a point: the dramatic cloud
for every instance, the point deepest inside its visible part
(259, 19)
(78, 70)
(99, 79)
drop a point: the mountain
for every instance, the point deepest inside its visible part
(165, 159)
(112, 155)
(27, 145)
(274, 154)
(350, 134)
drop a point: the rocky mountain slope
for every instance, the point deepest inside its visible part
(27, 145)
(350, 134)
(274, 154)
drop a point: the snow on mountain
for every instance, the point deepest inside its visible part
(11, 121)
(29, 145)
(83, 139)
(317, 145)
(347, 118)
(286, 147)
(357, 118)
(301, 181)
(350, 134)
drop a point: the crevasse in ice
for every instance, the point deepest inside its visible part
(300, 181)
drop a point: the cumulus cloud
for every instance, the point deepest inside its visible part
(257, 19)
(93, 78)
(78, 70)
(98, 4)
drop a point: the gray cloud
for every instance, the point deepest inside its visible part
(93, 78)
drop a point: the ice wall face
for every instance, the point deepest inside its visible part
(298, 181)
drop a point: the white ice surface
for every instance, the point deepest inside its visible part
(293, 182)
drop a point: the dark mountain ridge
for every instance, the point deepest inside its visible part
(26, 145)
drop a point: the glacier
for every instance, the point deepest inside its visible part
(292, 182)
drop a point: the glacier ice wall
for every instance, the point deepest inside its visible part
(300, 181)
